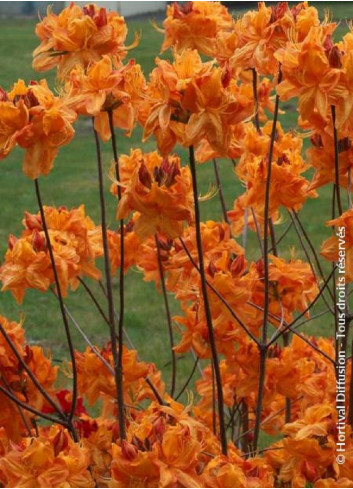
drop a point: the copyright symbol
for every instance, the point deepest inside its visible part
(340, 459)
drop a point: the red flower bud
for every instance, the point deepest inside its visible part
(39, 243)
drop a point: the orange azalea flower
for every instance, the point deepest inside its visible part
(235, 471)
(321, 157)
(257, 36)
(45, 372)
(75, 240)
(96, 381)
(308, 451)
(160, 190)
(293, 287)
(195, 25)
(163, 449)
(311, 73)
(342, 52)
(16, 333)
(46, 461)
(33, 118)
(288, 187)
(79, 36)
(294, 283)
(238, 132)
(100, 88)
(204, 151)
(332, 248)
(181, 104)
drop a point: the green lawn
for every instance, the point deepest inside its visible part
(74, 180)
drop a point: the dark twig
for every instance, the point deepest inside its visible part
(220, 191)
(289, 326)
(30, 374)
(212, 341)
(337, 174)
(169, 317)
(62, 309)
(122, 255)
(117, 369)
(18, 407)
(188, 380)
(263, 347)
(94, 300)
(256, 99)
(33, 410)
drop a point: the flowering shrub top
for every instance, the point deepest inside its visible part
(259, 407)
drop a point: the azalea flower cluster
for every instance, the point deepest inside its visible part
(258, 407)
(76, 243)
(33, 118)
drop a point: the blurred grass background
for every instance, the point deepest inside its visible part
(74, 181)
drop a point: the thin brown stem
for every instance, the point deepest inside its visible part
(132, 346)
(31, 375)
(188, 380)
(263, 346)
(109, 287)
(273, 238)
(62, 309)
(256, 99)
(310, 243)
(94, 300)
(258, 231)
(283, 235)
(169, 317)
(18, 407)
(121, 270)
(289, 326)
(311, 265)
(212, 341)
(220, 191)
(33, 410)
(336, 149)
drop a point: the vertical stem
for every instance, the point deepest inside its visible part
(121, 271)
(214, 415)
(220, 191)
(256, 99)
(63, 313)
(286, 334)
(223, 434)
(337, 175)
(273, 238)
(262, 347)
(169, 317)
(117, 369)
